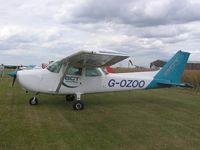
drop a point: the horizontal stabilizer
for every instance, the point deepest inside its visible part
(168, 83)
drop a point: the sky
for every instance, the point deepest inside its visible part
(35, 31)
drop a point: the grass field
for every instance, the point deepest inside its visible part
(164, 119)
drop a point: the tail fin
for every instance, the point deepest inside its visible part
(172, 72)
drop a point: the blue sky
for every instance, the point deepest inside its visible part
(35, 31)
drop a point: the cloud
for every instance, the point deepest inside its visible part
(136, 13)
(36, 31)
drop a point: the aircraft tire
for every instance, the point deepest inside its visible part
(33, 101)
(70, 97)
(78, 105)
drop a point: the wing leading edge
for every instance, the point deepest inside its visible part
(100, 58)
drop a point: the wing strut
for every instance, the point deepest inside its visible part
(61, 80)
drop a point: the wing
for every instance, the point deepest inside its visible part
(99, 58)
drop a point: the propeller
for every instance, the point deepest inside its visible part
(14, 75)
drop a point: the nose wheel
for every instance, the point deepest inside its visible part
(33, 101)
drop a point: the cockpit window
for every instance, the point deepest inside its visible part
(55, 67)
(74, 71)
(92, 72)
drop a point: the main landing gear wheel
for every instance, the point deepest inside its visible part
(70, 97)
(78, 105)
(33, 101)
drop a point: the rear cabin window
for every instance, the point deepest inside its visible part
(74, 71)
(92, 72)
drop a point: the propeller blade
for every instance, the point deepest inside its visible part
(14, 75)
(14, 79)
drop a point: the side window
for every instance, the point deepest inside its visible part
(92, 72)
(74, 71)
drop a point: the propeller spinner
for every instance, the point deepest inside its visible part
(14, 75)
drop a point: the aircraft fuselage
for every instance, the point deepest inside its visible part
(44, 81)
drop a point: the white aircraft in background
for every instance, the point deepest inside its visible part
(82, 73)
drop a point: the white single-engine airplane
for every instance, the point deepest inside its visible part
(82, 73)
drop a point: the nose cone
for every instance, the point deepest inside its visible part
(28, 80)
(22, 78)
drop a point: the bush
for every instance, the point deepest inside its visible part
(192, 77)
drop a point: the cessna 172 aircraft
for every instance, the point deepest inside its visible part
(82, 73)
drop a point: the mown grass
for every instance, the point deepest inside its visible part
(144, 120)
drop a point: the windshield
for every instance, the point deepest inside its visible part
(55, 67)
(104, 71)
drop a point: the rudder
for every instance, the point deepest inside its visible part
(172, 71)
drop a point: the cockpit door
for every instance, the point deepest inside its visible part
(92, 80)
(72, 80)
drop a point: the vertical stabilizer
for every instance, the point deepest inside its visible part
(172, 71)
